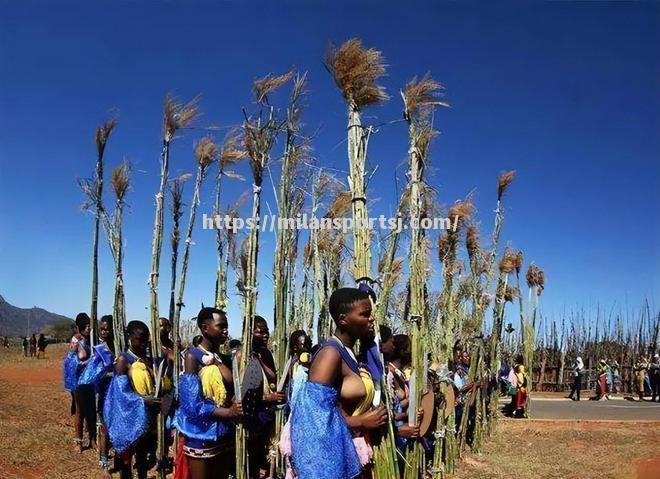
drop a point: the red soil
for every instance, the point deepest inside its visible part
(648, 468)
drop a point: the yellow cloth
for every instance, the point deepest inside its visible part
(368, 399)
(520, 376)
(167, 384)
(213, 386)
(141, 378)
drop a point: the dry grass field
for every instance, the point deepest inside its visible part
(35, 437)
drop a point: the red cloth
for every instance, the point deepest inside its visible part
(520, 399)
(181, 464)
(602, 381)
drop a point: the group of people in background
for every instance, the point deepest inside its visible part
(647, 377)
(608, 381)
(331, 396)
(32, 347)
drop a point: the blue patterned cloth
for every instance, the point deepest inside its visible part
(321, 443)
(70, 371)
(73, 366)
(97, 368)
(193, 417)
(125, 412)
(297, 380)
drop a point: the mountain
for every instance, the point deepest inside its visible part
(14, 321)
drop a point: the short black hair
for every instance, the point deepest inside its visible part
(259, 320)
(106, 318)
(385, 333)
(235, 343)
(402, 347)
(293, 339)
(134, 326)
(343, 298)
(206, 314)
(197, 340)
(82, 320)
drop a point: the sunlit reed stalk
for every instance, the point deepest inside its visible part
(259, 134)
(176, 116)
(206, 153)
(356, 71)
(230, 155)
(176, 203)
(419, 98)
(102, 135)
(287, 196)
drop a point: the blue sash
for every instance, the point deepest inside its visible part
(345, 355)
(193, 417)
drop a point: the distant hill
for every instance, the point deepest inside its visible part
(14, 321)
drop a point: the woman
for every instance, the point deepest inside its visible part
(602, 388)
(259, 400)
(577, 379)
(333, 411)
(41, 346)
(130, 407)
(398, 375)
(300, 344)
(519, 399)
(641, 367)
(98, 373)
(33, 346)
(82, 394)
(206, 413)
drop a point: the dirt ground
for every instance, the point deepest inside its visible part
(36, 432)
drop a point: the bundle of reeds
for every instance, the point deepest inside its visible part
(176, 204)
(356, 71)
(230, 155)
(259, 134)
(102, 134)
(120, 184)
(288, 198)
(503, 294)
(206, 153)
(329, 249)
(480, 302)
(176, 116)
(419, 99)
(536, 283)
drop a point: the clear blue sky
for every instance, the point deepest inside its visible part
(567, 94)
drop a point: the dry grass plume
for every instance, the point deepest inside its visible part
(356, 71)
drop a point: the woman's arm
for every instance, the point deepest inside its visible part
(326, 367)
(121, 366)
(369, 420)
(82, 354)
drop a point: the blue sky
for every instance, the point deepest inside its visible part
(567, 94)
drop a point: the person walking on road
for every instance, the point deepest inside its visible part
(641, 366)
(654, 376)
(577, 379)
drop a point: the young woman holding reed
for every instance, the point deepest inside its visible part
(333, 413)
(206, 410)
(98, 373)
(130, 406)
(82, 394)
